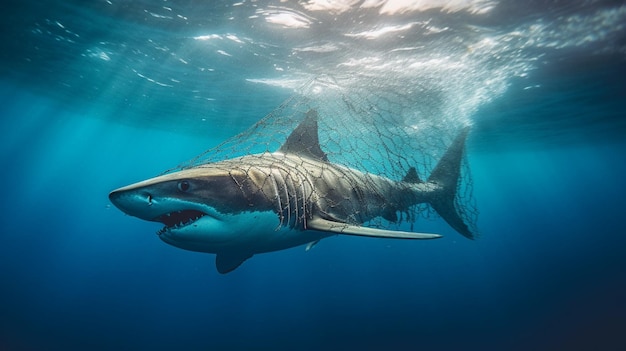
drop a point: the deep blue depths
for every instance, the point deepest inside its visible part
(548, 273)
(549, 270)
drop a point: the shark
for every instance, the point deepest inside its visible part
(294, 196)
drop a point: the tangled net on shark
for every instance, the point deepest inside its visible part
(382, 133)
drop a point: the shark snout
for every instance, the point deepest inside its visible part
(136, 203)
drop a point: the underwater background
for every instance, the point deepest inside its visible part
(96, 95)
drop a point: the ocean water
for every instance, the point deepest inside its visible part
(97, 95)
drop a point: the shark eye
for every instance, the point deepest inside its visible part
(183, 185)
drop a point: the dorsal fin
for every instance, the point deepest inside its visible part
(304, 140)
(411, 176)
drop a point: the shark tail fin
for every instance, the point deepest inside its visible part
(446, 174)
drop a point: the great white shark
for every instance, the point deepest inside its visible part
(294, 196)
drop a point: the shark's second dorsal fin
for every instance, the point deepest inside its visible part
(411, 176)
(304, 140)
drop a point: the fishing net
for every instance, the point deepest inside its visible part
(378, 129)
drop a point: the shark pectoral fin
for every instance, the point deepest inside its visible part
(227, 262)
(344, 228)
(311, 245)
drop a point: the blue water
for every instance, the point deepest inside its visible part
(546, 153)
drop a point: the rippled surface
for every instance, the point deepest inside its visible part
(166, 61)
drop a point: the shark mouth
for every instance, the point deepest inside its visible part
(178, 219)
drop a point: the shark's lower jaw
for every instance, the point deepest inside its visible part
(178, 219)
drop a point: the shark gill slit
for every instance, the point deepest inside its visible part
(297, 197)
(292, 194)
(284, 204)
(281, 214)
(302, 217)
(284, 191)
(293, 199)
(287, 194)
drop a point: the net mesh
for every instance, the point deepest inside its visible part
(375, 131)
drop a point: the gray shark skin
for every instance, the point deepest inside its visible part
(273, 201)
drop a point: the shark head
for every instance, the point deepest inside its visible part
(203, 209)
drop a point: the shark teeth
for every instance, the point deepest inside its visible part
(178, 219)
